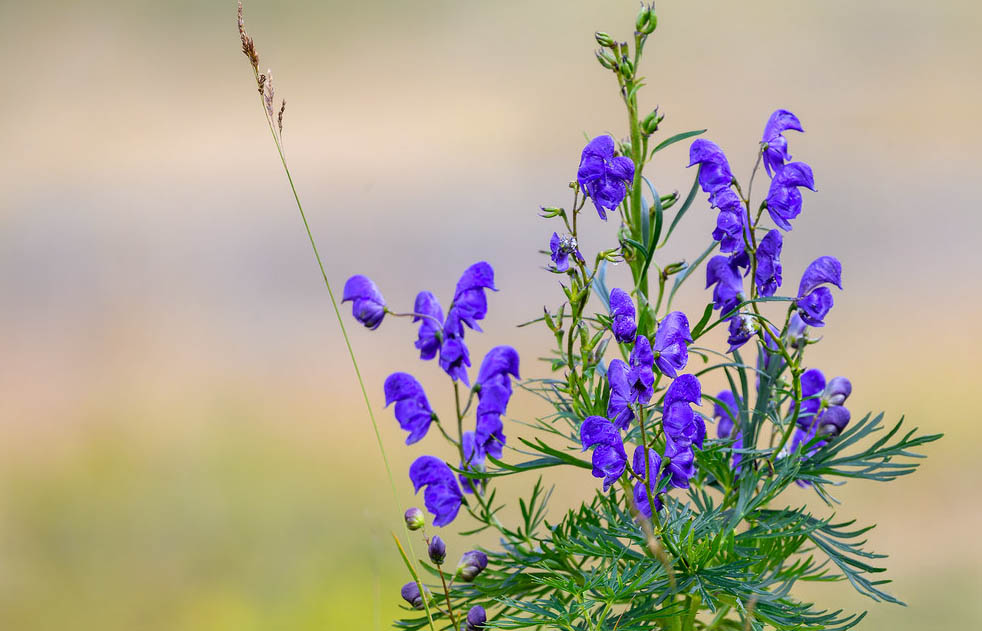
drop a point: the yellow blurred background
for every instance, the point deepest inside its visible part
(181, 442)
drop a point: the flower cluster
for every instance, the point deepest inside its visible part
(444, 337)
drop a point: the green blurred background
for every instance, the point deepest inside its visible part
(181, 442)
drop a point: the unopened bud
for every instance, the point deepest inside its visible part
(650, 124)
(674, 268)
(471, 564)
(647, 21)
(604, 39)
(415, 519)
(437, 550)
(606, 59)
(411, 594)
(476, 619)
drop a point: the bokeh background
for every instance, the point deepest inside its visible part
(181, 442)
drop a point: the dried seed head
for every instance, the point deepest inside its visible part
(269, 94)
(279, 117)
(248, 45)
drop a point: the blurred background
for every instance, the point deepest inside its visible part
(181, 442)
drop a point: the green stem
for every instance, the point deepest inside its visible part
(344, 334)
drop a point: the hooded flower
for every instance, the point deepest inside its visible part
(410, 593)
(814, 299)
(726, 412)
(742, 327)
(604, 177)
(671, 343)
(680, 424)
(724, 272)
(412, 409)
(654, 467)
(629, 385)
(784, 199)
(622, 312)
(469, 301)
(714, 169)
(442, 497)
(474, 455)
(562, 248)
(429, 315)
(494, 392)
(368, 305)
(455, 358)
(768, 277)
(730, 223)
(822, 406)
(776, 146)
(681, 463)
(609, 457)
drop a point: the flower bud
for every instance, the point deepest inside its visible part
(471, 564)
(650, 124)
(437, 550)
(415, 519)
(837, 390)
(604, 39)
(411, 594)
(647, 21)
(675, 268)
(606, 60)
(476, 619)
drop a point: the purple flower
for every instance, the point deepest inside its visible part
(822, 407)
(470, 304)
(609, 457)
(714, 170)
(412, 409)
(797, 331)
(621, 394)
(724, 272)
(642, 375)
(784, 199)
(680, 424)
(437, 550)
(368, 305)
(776, 146)
(442, 497)
(652, 474)
(455, 358)
(768, 277)
(726, 412)
(562, 248)
(629, 385)
(742, 327)
(493, 393)
(471, 563)
(622, 312)
(681, 463)
(814, 299)
(730, 223)
(476, 619)
(604, 177)
(410, 593)
(429, 315)
(671, 343)
(474, 455)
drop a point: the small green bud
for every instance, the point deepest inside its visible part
(548, 212)
(650, 124)
(604, 39)
(647, 21)
(674, 268)
(415, 519)
(606, 60)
